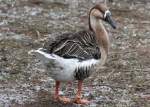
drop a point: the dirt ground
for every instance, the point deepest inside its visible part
(124, 81)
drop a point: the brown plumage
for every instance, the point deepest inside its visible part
(81, 45)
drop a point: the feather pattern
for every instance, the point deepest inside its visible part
(81, 45)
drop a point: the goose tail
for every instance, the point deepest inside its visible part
(43, 56)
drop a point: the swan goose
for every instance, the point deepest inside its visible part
(72, 56)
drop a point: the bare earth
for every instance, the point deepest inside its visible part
(124, 81)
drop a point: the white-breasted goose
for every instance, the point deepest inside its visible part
(72, 56)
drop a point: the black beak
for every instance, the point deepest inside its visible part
(109, 20)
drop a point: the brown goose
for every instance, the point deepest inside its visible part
(72, 56)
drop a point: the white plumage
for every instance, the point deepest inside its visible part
(59, 68)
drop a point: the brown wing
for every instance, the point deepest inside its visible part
(81, 45)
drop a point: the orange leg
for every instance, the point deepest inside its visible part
(78, 99)
(57, 89)
(60, 98)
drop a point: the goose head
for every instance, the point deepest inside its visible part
(100, 13)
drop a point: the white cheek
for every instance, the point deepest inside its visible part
(106, 12)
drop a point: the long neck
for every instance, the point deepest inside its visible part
(101, 36)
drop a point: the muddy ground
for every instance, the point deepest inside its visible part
(124, 81)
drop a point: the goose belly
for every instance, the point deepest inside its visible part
(62, 75)
(63, 69)
(70, 69)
